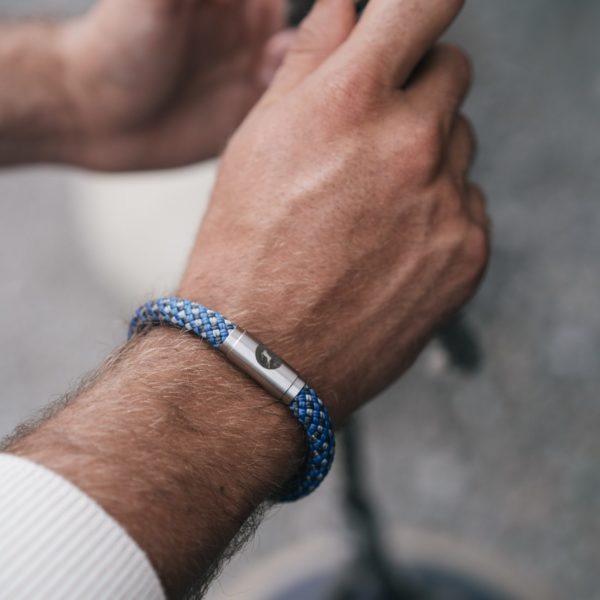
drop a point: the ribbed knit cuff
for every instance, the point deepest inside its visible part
(56, 542)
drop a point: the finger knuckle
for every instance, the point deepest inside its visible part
(350, 94)
(461, 61)
(426, 149)
(454, 201)
(477, 249)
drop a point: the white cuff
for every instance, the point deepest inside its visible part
(56, 542)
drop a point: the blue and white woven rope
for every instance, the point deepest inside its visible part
(205, 323)
(312, 414)
(307, 407)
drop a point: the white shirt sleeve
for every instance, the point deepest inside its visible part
(57, 543)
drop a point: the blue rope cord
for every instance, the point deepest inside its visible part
(306, 407)
(205, 323)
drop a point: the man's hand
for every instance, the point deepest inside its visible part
(165, 82)
(343, 228)
(138, 84)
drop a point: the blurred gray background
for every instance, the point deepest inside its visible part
(506, 461)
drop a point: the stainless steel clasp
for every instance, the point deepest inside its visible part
(262, 365)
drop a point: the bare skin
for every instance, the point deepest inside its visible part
(343, 230)
(349, 214)
(136, 84)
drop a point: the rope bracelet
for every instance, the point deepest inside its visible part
(262, 365)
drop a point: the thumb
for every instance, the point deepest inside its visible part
(325, 29)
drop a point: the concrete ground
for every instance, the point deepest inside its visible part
(505, 461)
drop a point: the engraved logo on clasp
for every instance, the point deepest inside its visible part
(267, 359)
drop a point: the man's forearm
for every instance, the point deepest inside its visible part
(360, 234)
(176, 445)
(37, 121)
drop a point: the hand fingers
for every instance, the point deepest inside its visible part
(392, 36)
(462, 147)
(321, 33)
(441, 83)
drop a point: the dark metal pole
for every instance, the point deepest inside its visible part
(371, 574)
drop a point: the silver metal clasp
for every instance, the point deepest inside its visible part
(262, 365)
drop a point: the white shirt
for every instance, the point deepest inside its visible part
(57, 543)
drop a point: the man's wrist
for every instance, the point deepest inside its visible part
(170, 434)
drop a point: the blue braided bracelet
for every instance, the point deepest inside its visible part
(266, 368)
